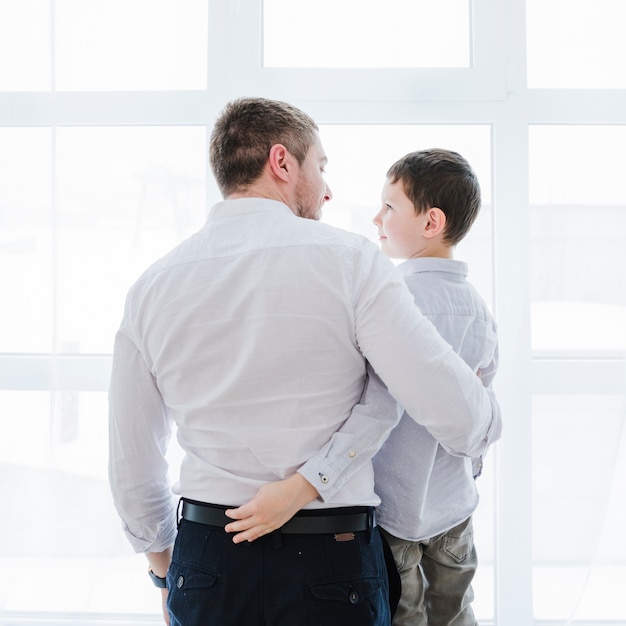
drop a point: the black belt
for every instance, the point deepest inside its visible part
(306, 522)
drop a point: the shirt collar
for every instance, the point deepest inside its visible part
(433, 264)
(246, 206)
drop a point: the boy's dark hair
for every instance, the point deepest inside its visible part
(244, 133)
(444, 179)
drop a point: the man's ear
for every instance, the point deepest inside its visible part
(435, 222)
(280, 161)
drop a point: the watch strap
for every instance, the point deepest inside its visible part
(159, 582)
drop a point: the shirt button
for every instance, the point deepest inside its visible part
(352, 454)
(354, 597)
(323, 478)
(180, 582)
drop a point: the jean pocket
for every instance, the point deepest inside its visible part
(458, 548)
(347, 591)
(191, 594)
(353, 600)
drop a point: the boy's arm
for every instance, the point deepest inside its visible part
(352, 446)
(357, 441)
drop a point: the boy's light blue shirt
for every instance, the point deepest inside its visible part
(425, 490)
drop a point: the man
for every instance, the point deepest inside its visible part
(252, 338)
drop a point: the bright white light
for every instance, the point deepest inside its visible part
(366, 33)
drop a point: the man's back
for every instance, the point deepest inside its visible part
(248, 328)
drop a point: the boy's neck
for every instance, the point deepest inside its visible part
(438, 251)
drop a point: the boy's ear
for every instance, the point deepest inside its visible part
(435, 222)
(280, 161)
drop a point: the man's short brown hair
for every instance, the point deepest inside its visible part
(244, 133)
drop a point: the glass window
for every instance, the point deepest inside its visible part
(131, 44)
(579, 490)
(53, 455)
(359, 157)
(25, 45)
(366, 33)
(576, 44)
(578, 217)
(125, 197)
(26, 239)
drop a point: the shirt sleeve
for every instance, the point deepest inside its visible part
(139, 433)
(356, 442)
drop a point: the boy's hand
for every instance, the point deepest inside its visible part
(273, 505)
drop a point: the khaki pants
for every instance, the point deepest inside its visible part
(436, 577)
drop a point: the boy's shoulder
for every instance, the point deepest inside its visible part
(440, 287)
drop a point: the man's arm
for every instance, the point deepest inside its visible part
(433, 383)
(139, 432)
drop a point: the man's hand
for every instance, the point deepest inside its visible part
(273, 505)
(159, 564)
(166, 615)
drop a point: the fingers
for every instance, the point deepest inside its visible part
(249, 535)
(239, 526)
(247, 530)
(166, 615)
(240, 512)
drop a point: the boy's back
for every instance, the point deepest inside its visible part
(424, 489)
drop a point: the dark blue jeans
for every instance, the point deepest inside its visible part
(277, 580)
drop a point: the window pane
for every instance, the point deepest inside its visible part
(576, 44)
(578, 220)
(366, 33)
(53, 454)
(579, 490)
(131, 44)
(359, 157)
(25, 45)
(126, 196)
(26, 242)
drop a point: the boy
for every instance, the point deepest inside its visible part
(429, 202)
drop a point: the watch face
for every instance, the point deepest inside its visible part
(157, 580)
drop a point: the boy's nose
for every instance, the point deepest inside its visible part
(377, 221)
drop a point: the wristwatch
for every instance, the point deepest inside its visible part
(159, 582)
